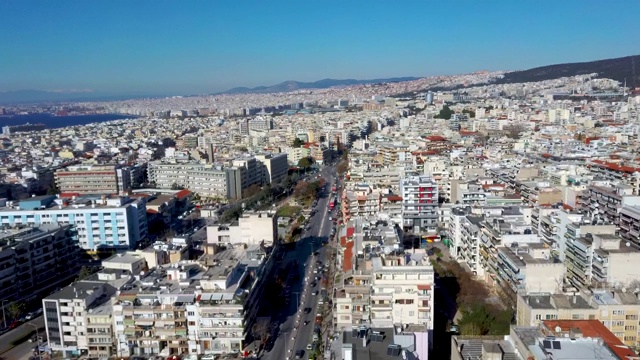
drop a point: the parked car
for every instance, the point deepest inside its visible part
(208, 357)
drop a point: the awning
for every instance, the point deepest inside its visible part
(424, 287)
(185, 298)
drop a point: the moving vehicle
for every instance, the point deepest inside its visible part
(299, 354)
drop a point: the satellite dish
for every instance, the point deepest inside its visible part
(624, 290)
(628, 244)
(558, 329)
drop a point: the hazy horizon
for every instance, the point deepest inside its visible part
(150, 47)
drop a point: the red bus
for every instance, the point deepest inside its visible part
(332, 204)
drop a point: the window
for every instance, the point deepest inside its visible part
(577, 317)
(538, 316)
(412, 313)
(618, 312)
(551, 317)
(191, 313)
(630, 327)
(618, 323)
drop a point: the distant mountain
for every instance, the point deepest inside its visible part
(320, 84)
(619, 69)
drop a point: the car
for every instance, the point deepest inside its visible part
(307, 310)
(299, 354)
(208, 357)
(191, 357)
(15, 324)
(173, 357)
(29, 316)
(454, 329)
(314, 293)
(309, 347)
(330, 218)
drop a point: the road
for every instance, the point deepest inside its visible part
(294, 335)
(24, 350)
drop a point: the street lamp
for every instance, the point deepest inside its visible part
(4, 318)
(37, 339)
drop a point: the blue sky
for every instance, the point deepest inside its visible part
(190, 47)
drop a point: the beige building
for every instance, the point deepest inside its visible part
(618, 310)
(94, 179)
(252, 228)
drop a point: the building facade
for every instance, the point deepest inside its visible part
(94, 179)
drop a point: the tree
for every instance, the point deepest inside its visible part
(261, 330)
(304, 163)
(53, 190)
(342, 167)
(252, 190)
(297, 143)
(15, 309)
(471, 114)
(514, 131)
(445, 113)
(84, 273)
(301, 189)
(175, 186)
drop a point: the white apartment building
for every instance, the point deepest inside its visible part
(252, 228)
(78, 318)
(601, 260)
(419, 204)
(100, 221)
(207, 180)
(402, 291)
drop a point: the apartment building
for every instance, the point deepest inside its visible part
(419, 204)
(629, 224)
(616, 172)
(294, 155)
(251, 173)
(252, 228)
(501, 227)
(603, 202)
(78, 318)
(391, 207)
(617, 309)
(361, 201)
(359, 239)
(463, 229)
(601, 260)
(538, 192)
(467, 193)
(36, 260)
(402, 290)
(205, 307)
(529, 268)
(94, 179)
(275, 167)
(207, 180)
(560, 339)
(99, 221)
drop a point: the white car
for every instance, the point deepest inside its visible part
(208, 357)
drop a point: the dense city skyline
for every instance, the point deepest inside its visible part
(210, 47)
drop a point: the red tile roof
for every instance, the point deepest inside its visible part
(183, 194)
(614, 166)
(347, 263)
(436, 138)
(594, 329)
(350, 231)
